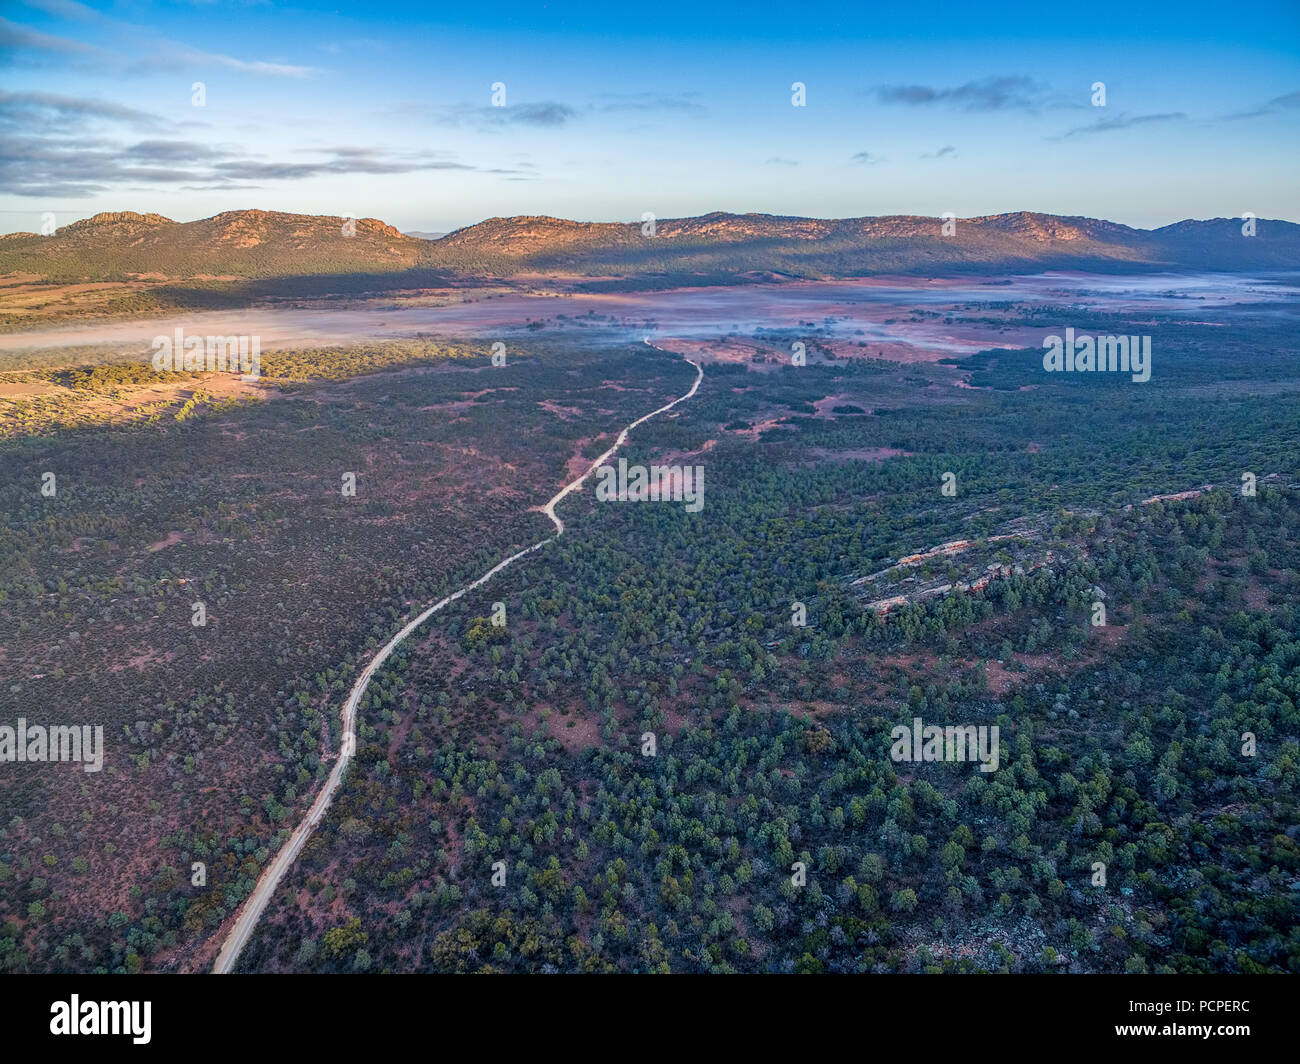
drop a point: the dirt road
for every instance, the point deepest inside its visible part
(256, 903)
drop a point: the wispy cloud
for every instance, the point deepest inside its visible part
(1010, 92)
(33, 111)
(140, 50)
(865, 158)
(1121, 121)
(63, 146)
(946, 152)
(535, 114)
(342, 160)
(551, 114)
(1274, 106)
(22, 45)
(172, 54)
(777, 160)
(542, 115)
(684, 102)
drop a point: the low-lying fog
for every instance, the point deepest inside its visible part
(872, 311)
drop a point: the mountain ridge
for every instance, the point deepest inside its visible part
(716, 247)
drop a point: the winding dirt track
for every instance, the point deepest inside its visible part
(256, 902)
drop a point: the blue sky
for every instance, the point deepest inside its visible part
(385, 109)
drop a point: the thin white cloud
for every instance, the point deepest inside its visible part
(149, 51)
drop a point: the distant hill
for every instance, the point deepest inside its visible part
(244, 244)
(713, 248)
(775, 246)
(424, 236)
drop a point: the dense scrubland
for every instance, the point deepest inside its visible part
(217, 734)
(522, 746)
(1122, 743)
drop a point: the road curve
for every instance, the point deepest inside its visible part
(255, 904)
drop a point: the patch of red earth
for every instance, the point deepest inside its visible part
(397, 734)
(453, 835)
(999, 679)
(887, 350)
(1256, 595)
(814, 710)
(576, 731)
(823, 406)
(1101, 639)
(140, 661)
(676, 456)
(172, 539)
(1108, 635)
(911, 664)
(22, 389)
(674, 719)
(759, 427)
(564, 413)
(579, 463)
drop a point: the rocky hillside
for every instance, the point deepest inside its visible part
(122, 245)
